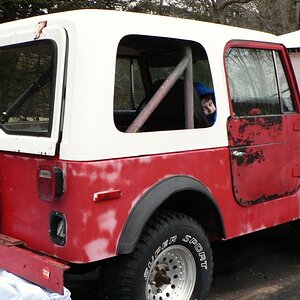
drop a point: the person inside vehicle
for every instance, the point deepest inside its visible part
(207, 100)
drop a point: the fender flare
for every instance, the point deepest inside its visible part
(149, 203)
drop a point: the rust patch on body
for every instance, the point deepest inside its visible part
(265, 198)
(256, 144)
(251, 156)
(254, 130)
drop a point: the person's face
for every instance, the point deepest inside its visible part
(208, 106)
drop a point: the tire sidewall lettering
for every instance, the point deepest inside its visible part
(196, 247)
(168, 242)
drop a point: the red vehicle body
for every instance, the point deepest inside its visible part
(94, 173)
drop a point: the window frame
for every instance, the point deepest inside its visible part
(41, 145)
(52, 88)
(286, 64)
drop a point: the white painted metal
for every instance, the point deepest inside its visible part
(9, 35)
(292, 42)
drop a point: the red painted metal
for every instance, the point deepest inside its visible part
(291, 78)
(292, 152)
(263, 149)
(93, 228)
(296, 171)
(259, 169)
(37, 268)
(297, 125)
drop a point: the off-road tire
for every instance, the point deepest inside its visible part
(173, 260)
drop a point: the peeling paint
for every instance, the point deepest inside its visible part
(112, 171)
(97, 247)
(85, 217)
(257, 146)
(108, 222)
(250, 131)
(251, 156)
(145, 160)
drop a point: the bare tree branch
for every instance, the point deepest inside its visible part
(226, 3)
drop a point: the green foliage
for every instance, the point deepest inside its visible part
(274, 16)
(17, 9)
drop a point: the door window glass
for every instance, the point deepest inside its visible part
(284, 89)
(252, 82)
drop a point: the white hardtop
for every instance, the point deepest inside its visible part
(88, 130)
(112, 20)
(290, 40)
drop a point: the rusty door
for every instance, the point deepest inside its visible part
(257, 150)
(262, 131)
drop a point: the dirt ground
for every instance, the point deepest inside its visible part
(260, 266)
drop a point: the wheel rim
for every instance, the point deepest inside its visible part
(172, 275)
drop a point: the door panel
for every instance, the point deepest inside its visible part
(264, 128)
(258, 158)
(292, 153)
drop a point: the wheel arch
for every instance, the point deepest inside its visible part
(171, 193)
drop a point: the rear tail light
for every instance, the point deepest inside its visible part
(50, 183)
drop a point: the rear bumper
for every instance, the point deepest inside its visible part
(35, 267)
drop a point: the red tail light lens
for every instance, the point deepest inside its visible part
(50, 182)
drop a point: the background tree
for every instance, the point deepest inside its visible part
(217, 10)
(18, 9)
(274, 16)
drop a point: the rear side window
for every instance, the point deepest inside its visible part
(162, 84)
(27, 88)
(257, 82)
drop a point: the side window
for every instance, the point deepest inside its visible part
(257, 82)
(27, 88)
(151, 85)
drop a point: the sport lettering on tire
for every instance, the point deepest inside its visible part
(198, 248)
